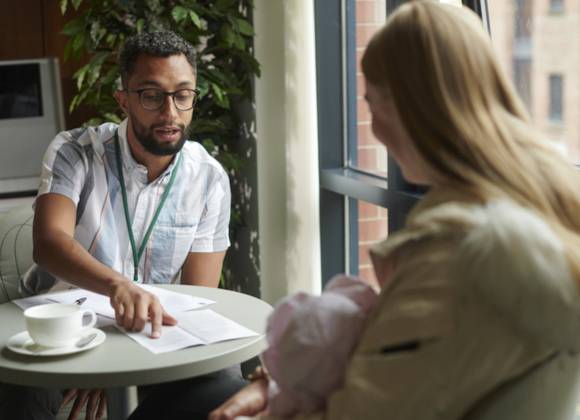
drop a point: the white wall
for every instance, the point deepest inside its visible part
(287, 149)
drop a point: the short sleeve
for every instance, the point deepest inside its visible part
(63, 168)
(212, 234)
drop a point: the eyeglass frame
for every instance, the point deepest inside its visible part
(165, 95)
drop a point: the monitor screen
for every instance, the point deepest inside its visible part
(20, 91)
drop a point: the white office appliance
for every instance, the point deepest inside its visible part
(31, 114)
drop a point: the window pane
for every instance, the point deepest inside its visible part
(538, 43)
(556, 6)
(366, 152)
(556, 92)
(372, 228)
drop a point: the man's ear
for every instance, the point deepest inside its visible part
(122, 98)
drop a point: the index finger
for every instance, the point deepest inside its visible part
(79, 403)
(68, 396)
(156, 316)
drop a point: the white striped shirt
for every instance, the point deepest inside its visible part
(81, 164)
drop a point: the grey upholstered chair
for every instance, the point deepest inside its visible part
(15, 249)
(548, 392)
(16, 258)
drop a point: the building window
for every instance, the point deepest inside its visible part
(363, 195)
(522, 72)
(522, 20)
(556, 94)
(531, 48)
(556, 6)
(354, 191)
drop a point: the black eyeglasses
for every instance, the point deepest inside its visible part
(153, 99)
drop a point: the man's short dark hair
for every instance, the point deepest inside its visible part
(155, 44)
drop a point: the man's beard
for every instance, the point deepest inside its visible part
(145, 137)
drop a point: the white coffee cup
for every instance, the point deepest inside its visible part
(57, 324)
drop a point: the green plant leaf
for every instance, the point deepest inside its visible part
(239, 42)
(179, 13)
(227, 34)
(93, 122)
(139, 26)
(210, 146)
(76, 3)
(111, 39)
(245, 27)
(220, 96)
(100, 57)
(62, 4)
(97, 32)
(78, 42)
(80, 76)
(109, 116)
(73, 27)
(194, 17)
(110, 76)
(93, 74)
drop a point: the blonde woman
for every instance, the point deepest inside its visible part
(482, 283)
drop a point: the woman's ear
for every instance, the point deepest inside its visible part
(121, 97)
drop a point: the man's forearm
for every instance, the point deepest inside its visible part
(202, 269)
(64, 257)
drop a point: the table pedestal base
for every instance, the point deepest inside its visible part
(121, 402)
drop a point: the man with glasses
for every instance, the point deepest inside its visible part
(131, 203)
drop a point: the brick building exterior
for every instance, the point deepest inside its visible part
(538, 43)
(371, 155)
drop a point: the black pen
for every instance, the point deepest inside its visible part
(80, 301)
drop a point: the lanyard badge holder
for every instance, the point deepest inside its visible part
(137, 253)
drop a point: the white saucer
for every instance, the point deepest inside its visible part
(23, 344)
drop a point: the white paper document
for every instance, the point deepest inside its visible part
(29, 302)
(194, 328)
(172, 338)
(172, 302)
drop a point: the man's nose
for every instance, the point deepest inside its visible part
(169, 107)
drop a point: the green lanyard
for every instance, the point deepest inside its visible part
(137, 254)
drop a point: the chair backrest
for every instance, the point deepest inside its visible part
(550, 391)
(15, 249)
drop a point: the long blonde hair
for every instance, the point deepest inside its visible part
(464, 117)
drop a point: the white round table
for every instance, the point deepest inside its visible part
(121, 362)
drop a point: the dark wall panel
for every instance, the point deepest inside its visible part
(21, 33)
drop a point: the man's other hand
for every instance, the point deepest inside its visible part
(93, 399)
(134, 307)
